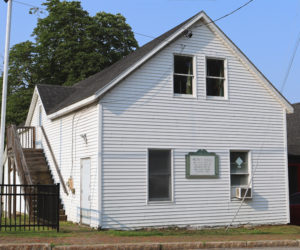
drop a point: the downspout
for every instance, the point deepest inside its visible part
(100, 164)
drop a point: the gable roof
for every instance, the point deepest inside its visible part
(51, 95)
(92, 88)
(293, 131)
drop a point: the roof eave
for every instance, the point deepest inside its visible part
(73, 107)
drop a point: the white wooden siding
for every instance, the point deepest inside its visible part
(64, 134)
(142, 112)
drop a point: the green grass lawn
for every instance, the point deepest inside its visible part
(68, 229)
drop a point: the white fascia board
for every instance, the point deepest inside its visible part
(73, 107)
(32, 106)
(165, 42)
(289, 108)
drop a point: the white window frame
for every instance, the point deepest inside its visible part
(231, 197)
(171, 201)
(194, 87)
(208, 97)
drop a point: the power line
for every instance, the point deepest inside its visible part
(291, 63)
(148, 36)
(213, 21)
(29, 5)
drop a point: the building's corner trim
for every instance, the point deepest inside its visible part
(34, 100)
(100, 163)
(286, 166)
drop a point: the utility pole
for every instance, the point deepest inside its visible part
(4, 87)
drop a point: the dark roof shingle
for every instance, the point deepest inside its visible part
(52, 95)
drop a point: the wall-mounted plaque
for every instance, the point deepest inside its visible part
(202, 164)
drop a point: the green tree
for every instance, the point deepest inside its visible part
(69, 45)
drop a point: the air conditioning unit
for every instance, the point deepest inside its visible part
(240, 193)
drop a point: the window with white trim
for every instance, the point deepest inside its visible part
(159, 180)
(183, 75)
(215, 77)
(239, 168)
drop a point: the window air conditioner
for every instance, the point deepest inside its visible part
(240, 193)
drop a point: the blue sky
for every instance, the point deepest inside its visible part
(265, 30)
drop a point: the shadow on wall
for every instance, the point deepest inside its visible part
(258, 203)
(140, 96)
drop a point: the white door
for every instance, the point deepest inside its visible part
(85, 194)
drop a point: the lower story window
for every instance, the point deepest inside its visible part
(159, 162)
(239, 168)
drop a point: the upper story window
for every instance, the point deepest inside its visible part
(215, 77)
(183, 75)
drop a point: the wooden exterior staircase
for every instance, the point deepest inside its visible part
(28, 161)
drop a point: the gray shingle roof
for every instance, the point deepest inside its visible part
(293, 131)
(92, 84)
(51, 95)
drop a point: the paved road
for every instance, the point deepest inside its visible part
(260, 248)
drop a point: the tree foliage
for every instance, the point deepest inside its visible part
(69, 45)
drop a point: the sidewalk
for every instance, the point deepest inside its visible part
(159, 246)
(73, 236)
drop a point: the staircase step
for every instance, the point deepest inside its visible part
(34, 168)
(36, 159)
(40, 173)
(33, 150)
(34, 155)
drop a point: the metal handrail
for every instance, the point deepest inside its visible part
(54, 160)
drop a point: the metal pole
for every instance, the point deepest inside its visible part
(4, 88)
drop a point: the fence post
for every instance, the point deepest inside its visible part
(57, 222)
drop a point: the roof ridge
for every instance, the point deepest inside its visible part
(53, 85)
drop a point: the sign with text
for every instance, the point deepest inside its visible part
(201, 164)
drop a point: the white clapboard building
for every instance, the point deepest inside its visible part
(178, 133)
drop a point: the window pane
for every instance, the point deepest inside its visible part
(183, 84)
(214, 87)
(159, 187)
(239, 162)
(215, 67)
(239, 168)
(159, 174)
(159, 162)
(239, 180)
(183, 65)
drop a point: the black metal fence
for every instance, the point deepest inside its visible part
(29, 207)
